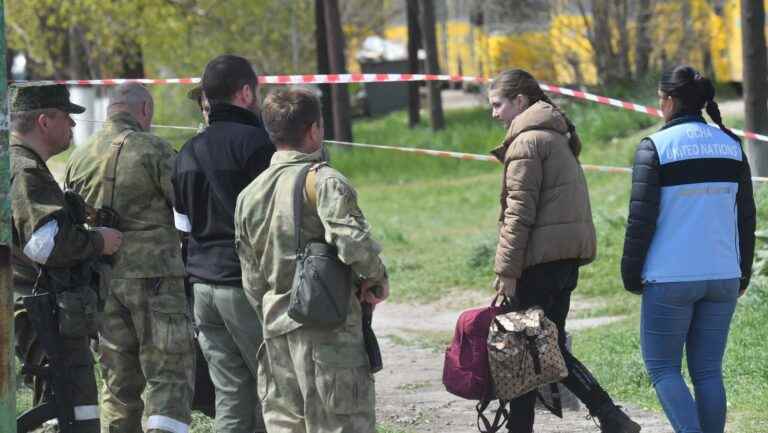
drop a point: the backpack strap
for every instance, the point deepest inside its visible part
(556, 407)
(110, 174)
(298, 192)
(311, 184)
(499, 420)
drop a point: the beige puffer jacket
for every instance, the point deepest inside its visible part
(545, 210)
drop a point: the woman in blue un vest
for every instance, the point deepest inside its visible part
(689, 247)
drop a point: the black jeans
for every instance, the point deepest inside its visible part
(549, 285)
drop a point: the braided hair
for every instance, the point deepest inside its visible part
(515, 82)
(693, 92)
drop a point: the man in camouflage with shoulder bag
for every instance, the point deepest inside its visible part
(146, 330)
(311, 379)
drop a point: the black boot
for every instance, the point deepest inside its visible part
(613, 420)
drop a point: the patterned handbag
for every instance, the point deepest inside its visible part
(523, 353)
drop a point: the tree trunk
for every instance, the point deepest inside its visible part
(323, 67)
(414, 43)
(342, 124)
(605, 58)
(621, 13)
(427, 14)
(754, 80)
(643, 44)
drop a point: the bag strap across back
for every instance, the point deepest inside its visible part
(306, 180)
(110, 174)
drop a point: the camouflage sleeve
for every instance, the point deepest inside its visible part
(74, 243)
(254, 281)
(38, 200)
(159, 164)
(347, 229)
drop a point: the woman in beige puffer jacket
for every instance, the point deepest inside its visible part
(546, 230)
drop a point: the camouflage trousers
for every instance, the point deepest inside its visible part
(146, 342)
(317, 381)
(230, 336)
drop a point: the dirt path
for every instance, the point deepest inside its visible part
(410, 394)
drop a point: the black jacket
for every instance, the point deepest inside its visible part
(211, 170)
(648, 177)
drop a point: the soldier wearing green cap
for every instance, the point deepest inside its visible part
(48, 235)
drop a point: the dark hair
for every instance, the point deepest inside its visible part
(515, 82)
(693, 92)
(288, 112)
(225, 75)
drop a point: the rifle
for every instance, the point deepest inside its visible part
(369, 339)
(56, 399)
(82, 212)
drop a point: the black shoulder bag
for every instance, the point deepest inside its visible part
(322, 284)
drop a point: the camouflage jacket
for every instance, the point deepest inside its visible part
(266, 243)
(142, 196)
(36, 199)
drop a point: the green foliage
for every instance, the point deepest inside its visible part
(104, 38)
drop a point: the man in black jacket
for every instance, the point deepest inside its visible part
(211, 170)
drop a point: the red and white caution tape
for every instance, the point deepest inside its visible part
(430, 152)
(601, 99)
(109, 81)
(362, 78)
(632, 107)
(382, 78)
(427, 152)
(269, 79)
(485, 158)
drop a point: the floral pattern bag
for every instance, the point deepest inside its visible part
(523, 353)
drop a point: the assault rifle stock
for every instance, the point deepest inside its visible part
(56, 400)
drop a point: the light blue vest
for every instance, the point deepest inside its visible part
(697, 235)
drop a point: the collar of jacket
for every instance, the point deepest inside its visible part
(18, 143)
(683, 118)
(295, 157)
(122, 120)
(222, 112)
(539, 116)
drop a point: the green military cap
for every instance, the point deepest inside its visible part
(30, 97)
(195, 93)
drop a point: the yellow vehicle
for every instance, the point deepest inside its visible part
(558, 50)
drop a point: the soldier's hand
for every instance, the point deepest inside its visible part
(373, 292)
(112, 240)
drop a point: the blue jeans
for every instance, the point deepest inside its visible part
(697, 315)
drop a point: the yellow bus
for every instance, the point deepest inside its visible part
(559, 51)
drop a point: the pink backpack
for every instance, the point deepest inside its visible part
(466, 372)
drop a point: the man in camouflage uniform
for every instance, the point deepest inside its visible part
(46, 232)
(310, 380)
(145, 337)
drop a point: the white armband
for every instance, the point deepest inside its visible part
(181, 222)
(41, 243)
